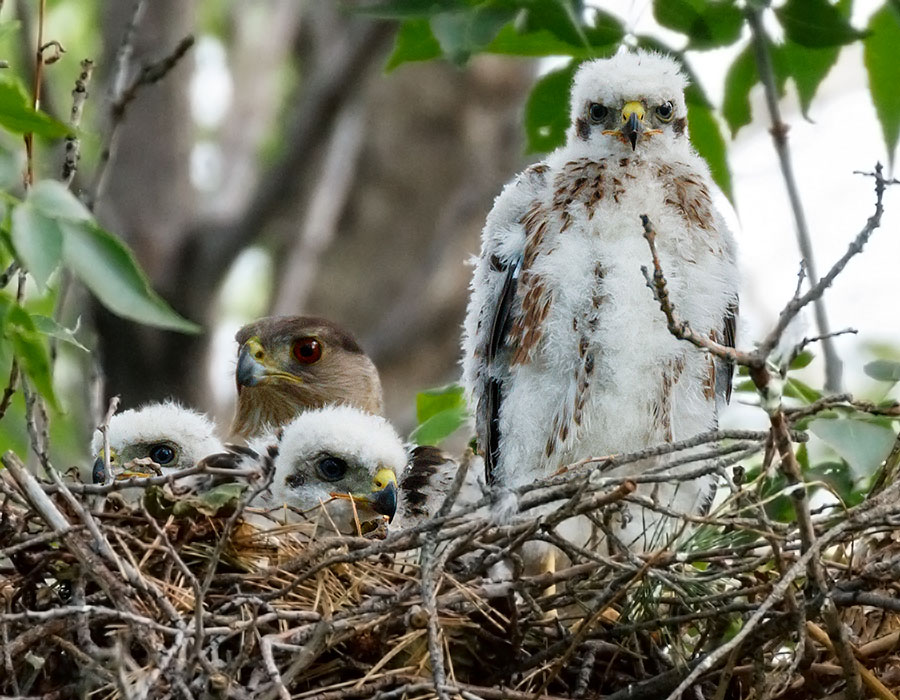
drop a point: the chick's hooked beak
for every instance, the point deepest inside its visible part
(98, 471)
(632, 122)
(383, 499)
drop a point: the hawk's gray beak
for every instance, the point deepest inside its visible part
(249, 370)
(631, 129)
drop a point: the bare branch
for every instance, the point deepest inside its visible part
(779, 130)
(149, 74)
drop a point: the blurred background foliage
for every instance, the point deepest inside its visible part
(339, 159)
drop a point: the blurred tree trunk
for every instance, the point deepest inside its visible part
(148, 198)
(375, 198)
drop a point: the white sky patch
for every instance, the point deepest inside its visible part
(243, 297)
(211, 85)
(206, 166)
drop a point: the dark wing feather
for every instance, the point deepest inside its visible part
(729, 336)
(416, 483)
(493, 391)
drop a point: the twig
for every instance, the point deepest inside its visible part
(73, 144)
(14, 364)
(779, 130)
(36, 94)
(769, 388)
(878, 689)
(818, 289)
(149, 74)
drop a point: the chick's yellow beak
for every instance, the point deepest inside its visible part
(383, 499)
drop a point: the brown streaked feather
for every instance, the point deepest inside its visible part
(662, 406)
(690, 197)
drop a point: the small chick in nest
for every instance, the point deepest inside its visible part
(339, 458)
(156, 439)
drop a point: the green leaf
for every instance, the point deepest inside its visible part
(708, 23)
(547, 110)
(559, 17)
(838, 476)
(798, 390)
(440, 412)
(740, 79)
(433, 401)
(440, 426)
(880, 56)
(31, 350)
(862, 443)
(883, 370)
(48, 326)
(802, 360)
(219, 501)
(816, 24)
(460, 34)
(54, 199)
(403, 9)
(605, 33)
(803, 457)
(745, 385)
(37, 240)
(106, 267)
(17, 115)
(707, 138)
(808, 66)
(541, 42)
(414, 42)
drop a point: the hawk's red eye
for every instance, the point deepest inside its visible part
(306, 350)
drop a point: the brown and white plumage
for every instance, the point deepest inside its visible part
(289, 364)
(426, 482)
(566, 354)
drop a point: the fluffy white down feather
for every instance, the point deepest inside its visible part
(365, 441)
(134, 433)
(158, 421)
(628, 338)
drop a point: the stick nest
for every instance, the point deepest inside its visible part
(119, 601)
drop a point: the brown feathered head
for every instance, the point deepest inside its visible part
(289, 364)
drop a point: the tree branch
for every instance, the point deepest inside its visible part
(779, 130)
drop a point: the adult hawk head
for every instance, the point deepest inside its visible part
(566, 354)
(289, 364)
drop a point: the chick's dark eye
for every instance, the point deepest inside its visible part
(597, 112)
(307, 350)
(665, 111)
(161, 454)
(332, 468)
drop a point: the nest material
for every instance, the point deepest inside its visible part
(137, 604)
